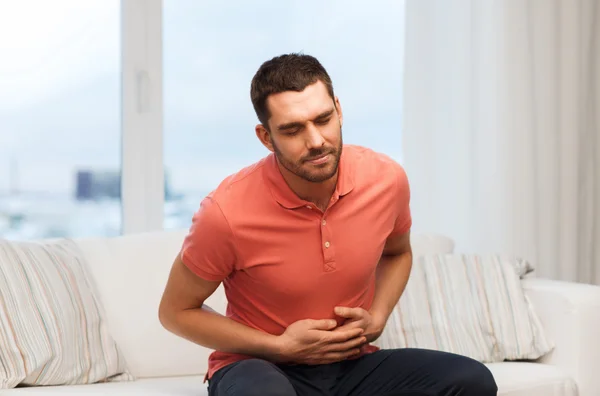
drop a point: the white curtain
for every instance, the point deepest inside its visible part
(501, 137)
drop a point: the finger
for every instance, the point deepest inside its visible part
(323, 324)
(342, 336)
(355, 324)
(349, 313)
(332, 357)
(347, 345)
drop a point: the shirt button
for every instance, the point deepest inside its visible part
(324, 222)
(326, 244)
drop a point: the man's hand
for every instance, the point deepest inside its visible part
(372, 325)
(312, 342)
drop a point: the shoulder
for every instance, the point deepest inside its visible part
(370, 166)
(240, 188)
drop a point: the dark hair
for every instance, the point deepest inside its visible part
(289, 72)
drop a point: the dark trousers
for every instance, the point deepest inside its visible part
(398, 372)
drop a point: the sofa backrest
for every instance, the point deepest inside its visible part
(131, 272)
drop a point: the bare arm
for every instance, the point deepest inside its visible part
(395, 263)
(182, 311)
(392, 276)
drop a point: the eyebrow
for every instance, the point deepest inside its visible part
(291, 125)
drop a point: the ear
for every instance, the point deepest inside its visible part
(264, 136)
(338, 107)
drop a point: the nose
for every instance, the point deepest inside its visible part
(314, 139)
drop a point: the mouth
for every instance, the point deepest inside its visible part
(320, 159)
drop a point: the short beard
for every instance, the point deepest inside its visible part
(298, 170)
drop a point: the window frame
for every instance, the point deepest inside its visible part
(142, 168)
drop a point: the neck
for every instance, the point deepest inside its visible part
(317, 193)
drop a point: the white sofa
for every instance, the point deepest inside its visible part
(131, 272)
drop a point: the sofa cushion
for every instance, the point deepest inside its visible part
(142, 263)
(531, 379)
(52, 327)
(472, 305)
(173, 386)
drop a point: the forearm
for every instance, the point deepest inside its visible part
(212, 330)
(392, 276)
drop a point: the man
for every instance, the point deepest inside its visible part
(312, 246)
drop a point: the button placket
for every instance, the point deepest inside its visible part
(327, 247)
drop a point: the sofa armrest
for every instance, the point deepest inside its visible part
(570, 314)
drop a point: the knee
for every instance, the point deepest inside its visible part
(475, 379)
(271, 387)
(254, 377)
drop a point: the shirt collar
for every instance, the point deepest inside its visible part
(287, 198)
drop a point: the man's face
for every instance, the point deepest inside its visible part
(306, 132)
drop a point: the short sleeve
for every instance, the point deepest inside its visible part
(208, 249)
(403, 221)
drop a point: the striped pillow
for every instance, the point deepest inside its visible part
(52, 330)
(472, 305)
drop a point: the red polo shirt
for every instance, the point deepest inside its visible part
(280, 258)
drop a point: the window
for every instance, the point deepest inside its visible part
(211, 51)
(59, 118)
(107, 129)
